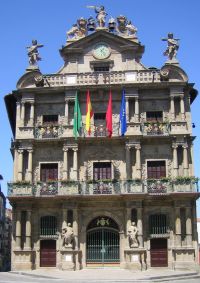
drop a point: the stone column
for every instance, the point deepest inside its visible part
(172, 109)
(75, 163)
(67, 111)
(128, 219)
(28, 230)
(188, 226)
(182, 107)
(18, 114)
(185, 159)
(18, 230)
(136, 110)
(75, 226)
(32, 114)
(128, 162)
(64, 217)
(175, 160)
(138, 160)
(127, 109)
(15, 165)
(20, 164)
(140, 227)
(30, 164)
(65, 162)
(178, 226)
(22, 113)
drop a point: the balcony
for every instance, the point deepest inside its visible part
(155, 129)
(103, 187)
(101, 78)
(100, 130)
(48, 131)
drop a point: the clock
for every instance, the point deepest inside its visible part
(101, 51)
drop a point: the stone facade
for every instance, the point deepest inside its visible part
(2, 228)
(158, 138)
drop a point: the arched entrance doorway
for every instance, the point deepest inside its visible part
(102, 244)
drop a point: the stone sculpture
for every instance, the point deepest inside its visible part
(131, 28)
(33, 53)
(132, 235)
(101, 15)
(112, 24)
(122, 22)
(79, 29)
(68, 236)
(172, 46)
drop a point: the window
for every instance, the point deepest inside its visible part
(49, 172)
(154, 116)
(101, 170)
(48, 226)
(101, 68)
(156, 169)
(99, 117)
(158, 224)
(50, 119)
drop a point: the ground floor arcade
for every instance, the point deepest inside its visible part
(166, 233)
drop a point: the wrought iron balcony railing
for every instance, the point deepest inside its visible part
(104, 187)
(155, 129)
(48, 131)
(100, 130)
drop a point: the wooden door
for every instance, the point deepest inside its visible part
(48, 253)
(159, 257)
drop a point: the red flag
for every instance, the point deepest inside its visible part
(109, 116)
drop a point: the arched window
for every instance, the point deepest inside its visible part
(158, 224)
(48, 226)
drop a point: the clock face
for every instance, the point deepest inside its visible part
(101, 51)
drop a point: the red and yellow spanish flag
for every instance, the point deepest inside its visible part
(89, 113)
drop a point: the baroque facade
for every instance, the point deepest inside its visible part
(125, 200)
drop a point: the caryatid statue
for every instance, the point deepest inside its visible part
(101, 15)
(68, 236)
(172, 46)
(33, 53)
(132, 235)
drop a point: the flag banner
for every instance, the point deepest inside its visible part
(77, 118)
(89, 113)
(123, 124)
(109, 116)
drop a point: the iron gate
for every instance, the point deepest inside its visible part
(102, 246)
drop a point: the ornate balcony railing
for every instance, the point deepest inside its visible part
(103, 187)
(48, 131)
(100, 130)
(99, 78)
(155, 129)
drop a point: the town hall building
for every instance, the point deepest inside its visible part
(103, 155)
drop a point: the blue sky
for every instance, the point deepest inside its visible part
(48, 20)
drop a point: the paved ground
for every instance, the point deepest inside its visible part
(99, 276)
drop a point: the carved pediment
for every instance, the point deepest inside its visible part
(170, 72)
(124, 44)
(30, 80)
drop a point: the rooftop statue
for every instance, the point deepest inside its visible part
(33, 53)
(112, 24)
(131, 28)
(120, 25)
(122, 22)
(172, 46)
(101, 15)
(79, 29)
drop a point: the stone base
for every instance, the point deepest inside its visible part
(23, 260)
(184, 259)
(70, 259)
(135, 259)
